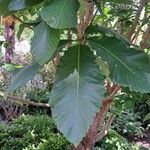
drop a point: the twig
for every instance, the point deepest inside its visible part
(135, 22)
(69, 38)
(140, 27)
(144, 43)
(105, 129)
(18, 19)
(27, 102)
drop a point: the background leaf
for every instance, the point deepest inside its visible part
(128, 66)
(20, 31)
(44, 43)
(4, 7)
(61, 14)
(74, 108)
(96, 29)
(22, 4)
(23, 76)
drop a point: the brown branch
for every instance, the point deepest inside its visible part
(69, 38)
(84, 21)
(91, 137)
(108, 86)
(136, 34)
(89, 13)
(27, 102)
(140, 27)
(19, 20)
(54, 63)
(105, 129)
(56, 60)
(136, 20)
(80, 29)
(146, 37)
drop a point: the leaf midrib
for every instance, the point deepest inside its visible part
(78, 80)
(120, 62)
(62, 7)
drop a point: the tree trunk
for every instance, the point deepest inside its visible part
(9, 34)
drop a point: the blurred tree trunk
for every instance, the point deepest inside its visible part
(9, 34)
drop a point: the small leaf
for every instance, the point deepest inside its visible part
(129, 104)
(11, 67)
(22, 4)
(61, 13)
(44, 43)
(147, 117)
(128, 66)
(4, 7)
(82, 6)
(21, 29)
(103, 66)
(77, 93)
(23, 76)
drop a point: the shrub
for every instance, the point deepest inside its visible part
(37, 95)
(114, 141)
(30, 132)
(128, 122)
(130, 108)
(40, 133)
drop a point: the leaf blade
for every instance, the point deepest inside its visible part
(16, 5)
(61, 14)
(78, 85)
(4, 10)
(128, 66)
(44, 43)
(23, 76)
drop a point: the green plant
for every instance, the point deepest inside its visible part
(147, 117)
(114, 141)
(27, 132)
(131, 108)
(79, 88)
(38, 95)
(127, 122)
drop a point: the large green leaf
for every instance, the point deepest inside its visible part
(23, 76)
(44, 43)
(22, 4)
(96, 29)
(77, 93)
(128, 66)
(61, 13)
(4, 7)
